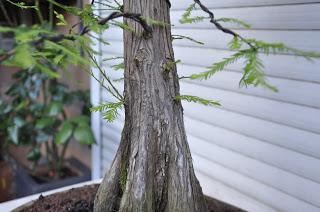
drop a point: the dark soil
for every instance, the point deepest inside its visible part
(81, 200)
(74, 200)
(44, 175)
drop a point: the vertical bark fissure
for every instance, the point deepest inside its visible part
(153, 147)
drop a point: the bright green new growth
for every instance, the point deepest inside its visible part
(109, 110)
(186, 16)
(197, 99)
(60, 17)
(253, 73)
(235, 21)
(170, 65)
(179, 37)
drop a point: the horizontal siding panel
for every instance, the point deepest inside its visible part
(264, 193)
(275, 65)
(288, 114)
(288, 137)
(108, 152)
(107, 158)
(285, 159)
(288, 17)
(292, 91)
(183, 4)
(105, 164)
(218, 40)
(223, 192)
(285, 17)
(111, 139)
(294, 185)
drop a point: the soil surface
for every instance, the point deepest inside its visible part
(81, 200)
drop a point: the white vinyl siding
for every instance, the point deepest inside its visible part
(260, 150)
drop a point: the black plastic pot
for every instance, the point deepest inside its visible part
(26, 185)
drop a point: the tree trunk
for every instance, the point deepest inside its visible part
(152, 170)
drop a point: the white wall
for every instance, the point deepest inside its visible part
(260, 150)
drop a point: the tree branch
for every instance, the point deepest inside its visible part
(134, 16)
(57, 38)
(219, 26)
(169, 3)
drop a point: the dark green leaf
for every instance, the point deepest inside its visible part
(199, 100)
(65, 133)
(54, 109)
(80, 120)
(45, 122)
(14, 134)
(84, 135)
(34, 154)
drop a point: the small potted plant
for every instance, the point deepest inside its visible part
(6, 173)
(36, 117)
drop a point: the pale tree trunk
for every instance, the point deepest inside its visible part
(152, 170)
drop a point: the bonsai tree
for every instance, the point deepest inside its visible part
(152, 170)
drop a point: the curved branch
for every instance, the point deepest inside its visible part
(219, 26)
(57, 38)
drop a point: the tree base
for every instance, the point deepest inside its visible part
(81, 199)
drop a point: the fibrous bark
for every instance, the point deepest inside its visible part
(152, 170)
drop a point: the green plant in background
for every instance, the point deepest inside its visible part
(35, 115)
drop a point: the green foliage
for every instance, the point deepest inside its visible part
(109, 110)
(179, 37)
(253, 71)
(123, 26)
(188, 19)
(84, 135)
(197, 99)
(235, 21)
(65, 133)
(34, 154)
(34, 114)
(154, 22)
(77, 127)
(22, 5)
(219, 66)
(60, 17)
(118, 67)
(235, 44)
(170, 65)
(13, 133)
(44, 122)
(54, 108)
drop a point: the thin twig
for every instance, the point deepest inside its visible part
(39, 12)
(220, 27)
(106, 77)
(5, 13)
